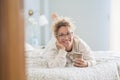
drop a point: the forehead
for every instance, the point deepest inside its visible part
(64, 29)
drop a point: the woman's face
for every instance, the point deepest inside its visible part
(65, 36)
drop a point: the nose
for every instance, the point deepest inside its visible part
(66, 37)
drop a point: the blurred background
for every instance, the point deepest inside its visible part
(97, 21)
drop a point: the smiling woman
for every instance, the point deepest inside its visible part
(66, 43)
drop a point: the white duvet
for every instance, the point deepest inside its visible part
(107, 68)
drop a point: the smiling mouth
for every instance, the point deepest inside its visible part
(66, 42)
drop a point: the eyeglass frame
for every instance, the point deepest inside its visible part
(68, 34)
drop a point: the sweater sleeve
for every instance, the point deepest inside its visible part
(87, 53)
(55, 57)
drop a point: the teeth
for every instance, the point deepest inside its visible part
(66, 42)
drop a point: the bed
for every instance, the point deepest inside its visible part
(107, 68)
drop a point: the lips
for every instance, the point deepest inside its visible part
(66, 43)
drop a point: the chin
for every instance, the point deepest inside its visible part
(67, 46)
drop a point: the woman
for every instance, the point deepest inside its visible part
(65, 44)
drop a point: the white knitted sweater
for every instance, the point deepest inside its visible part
(60, 58)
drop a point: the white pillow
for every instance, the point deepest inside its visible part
(28, 47)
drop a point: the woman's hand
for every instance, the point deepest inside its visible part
(59, 45)
(79, 62)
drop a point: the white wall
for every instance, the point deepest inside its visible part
(91, 18)
(36, 35)
(31, 30)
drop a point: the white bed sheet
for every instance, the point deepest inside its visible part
(107, 68)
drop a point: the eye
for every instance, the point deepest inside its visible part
(61, 35)
(68, 33)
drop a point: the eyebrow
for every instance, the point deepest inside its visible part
(65, 33)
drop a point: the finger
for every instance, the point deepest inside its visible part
(57, 42)
(78, 60)
(78, 65)
(59, 45)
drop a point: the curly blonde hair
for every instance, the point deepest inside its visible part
(62, 21)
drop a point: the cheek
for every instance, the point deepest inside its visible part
(70, 38)
(59, 40)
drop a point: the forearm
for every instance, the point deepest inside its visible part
(58, 60)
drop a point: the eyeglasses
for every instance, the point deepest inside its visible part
(68, 34)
